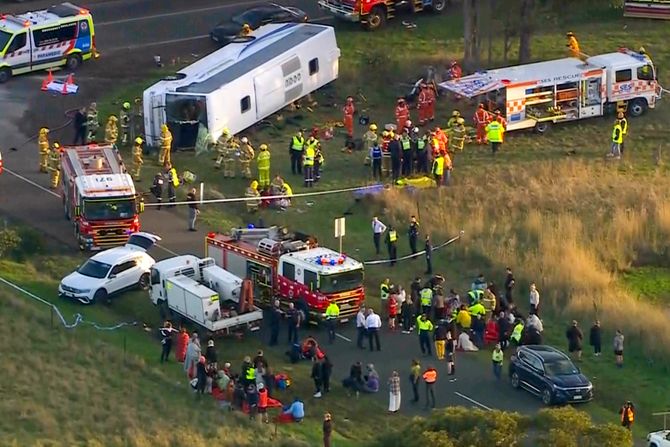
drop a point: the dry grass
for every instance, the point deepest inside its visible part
(569, 225)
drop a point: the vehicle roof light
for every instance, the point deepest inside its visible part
(26, 23)
(83, 11)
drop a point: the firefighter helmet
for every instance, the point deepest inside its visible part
(264, 147)
(56, 145)
(456, 113)
(44, 131)
(254, 184)
(569, 34)
(385, 134)
(114, 119)
(415, 130)
(619, 115)
(408, 123)
(126, 105)
(164, 128)
(373, 127)
(139, 140)
(460, 120)
(225, 131)
(642, 50)
(244, 140)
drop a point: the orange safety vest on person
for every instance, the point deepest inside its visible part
(263, 398)
(629, 413)
(430, 376)
(401, 116)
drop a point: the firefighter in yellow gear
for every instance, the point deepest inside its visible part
(124, 117)
(246, 30)
(573, 45)
(369, 138)
(221, 146)
(247, 154)
(457, 136)
(166, 146)
(92, 123)
(137, 158)
(54, 165)
(230, 152)
(111, 130)
(252, 192)
(263, 165)
(455, 115)
(43, 144)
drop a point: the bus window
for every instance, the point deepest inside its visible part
(50, 36)
(18, 43)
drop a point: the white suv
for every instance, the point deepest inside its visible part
(659, 438)
(111, 271)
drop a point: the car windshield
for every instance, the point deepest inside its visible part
(4, 39)
(251, 17)
(560, 368)
(109, 209)
(94, 269)
(341, 282)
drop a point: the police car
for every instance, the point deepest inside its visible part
(61, 35)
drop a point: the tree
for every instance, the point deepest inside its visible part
(471, 19)
(526, 30)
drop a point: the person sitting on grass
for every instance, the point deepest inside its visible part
(371, 384)
(355, 379)
(465, 344)
(293, 413)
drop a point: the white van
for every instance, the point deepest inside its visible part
(61, 35)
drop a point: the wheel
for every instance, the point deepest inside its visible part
(376, 18)
(547, 397)
(144, 282)
(100, 296)
(438, 6)
(5, 74)
(543, 127)
(516, 382)
(73, 62)
(637, 107)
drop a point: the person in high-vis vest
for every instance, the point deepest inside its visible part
(296, 147)
(92, 123)
(494, 133)
(401, 114)
(392, 244)
(172, 180)
(481, 119)
(319, 162)
(627, 412)
(457, 136)
(308, 156)
(516, 333)
(124, 117)
(421, 145)
(455, 115)
(137, 158)
(166, 145)
(475, 296)
(54, 164)
(423, 104)
(623, 122)
(497, 357)
(111, 130)
(375, 155)
(252, 193)
(385, 290)
(263, 166)
(247, 155)
(430, 378)
(424, 327)
(43, 145)
(332, 314)
(407, 155)
(573, 45)
(369, 139)
(438, 168)
(348, 112)
(617, 140)
(426, 300)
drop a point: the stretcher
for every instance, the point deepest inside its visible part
(416, 182)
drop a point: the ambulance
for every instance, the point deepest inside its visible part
(535, 96)
(61, 35)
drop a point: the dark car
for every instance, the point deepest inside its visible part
(550, 374)
(228, 30)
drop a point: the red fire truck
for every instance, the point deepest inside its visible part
(99, 196)
(290, 268)
(372, 14)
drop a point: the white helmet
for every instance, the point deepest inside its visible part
(244, 140)
(415, 130)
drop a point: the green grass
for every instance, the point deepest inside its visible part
(651, 283)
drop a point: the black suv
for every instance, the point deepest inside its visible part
(549, 374)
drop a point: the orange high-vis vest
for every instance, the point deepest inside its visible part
(630, 413)
(430, 376)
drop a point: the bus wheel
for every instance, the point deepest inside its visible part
(5, 74)
(73, 62)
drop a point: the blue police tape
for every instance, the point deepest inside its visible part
(78, 318)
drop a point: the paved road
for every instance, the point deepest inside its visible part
(129, 33)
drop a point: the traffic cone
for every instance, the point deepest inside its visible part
(68, 81)
(47, 81)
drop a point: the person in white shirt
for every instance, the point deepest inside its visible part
(465, 344)
(360, 326)
(534, 321)
(534, 299)
(372, 325)
(377, 229)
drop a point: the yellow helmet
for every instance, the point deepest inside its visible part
(126, 105)
(56, 145)
(225, 131)
(373, 127)
(44, 131)
(642, 50)
(455, 113)
(139, 140)
(254, 185)
(263, 147)
(164, 128)
(244, 140)
(460, 120)
(113, 118)
(385, 134)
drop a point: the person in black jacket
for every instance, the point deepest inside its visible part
(316, 376)
(201, 375)
(275, 319)
(326, 372)
(210, 353)
(504, 330)
(395, 149)
(79, 123)
(157, 188)
(595, 338)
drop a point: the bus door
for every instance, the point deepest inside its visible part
(18, 54)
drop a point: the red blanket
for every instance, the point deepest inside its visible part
(220, 395)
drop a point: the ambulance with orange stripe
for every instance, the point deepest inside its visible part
(535, 96)
(61, 35)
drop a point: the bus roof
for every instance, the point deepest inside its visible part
(309, 258)
(236, 59)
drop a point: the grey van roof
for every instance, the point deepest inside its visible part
(299, 34)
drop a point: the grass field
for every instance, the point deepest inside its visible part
(592, 234)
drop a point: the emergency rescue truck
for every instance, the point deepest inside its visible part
(291, 269)
(61, 35)
(537, 95)
(99, 196)
(373, 14)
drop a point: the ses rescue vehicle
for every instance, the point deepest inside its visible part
(537, 95)
(61, 35)
(99, 196)
(291, 269)
(242, 83)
